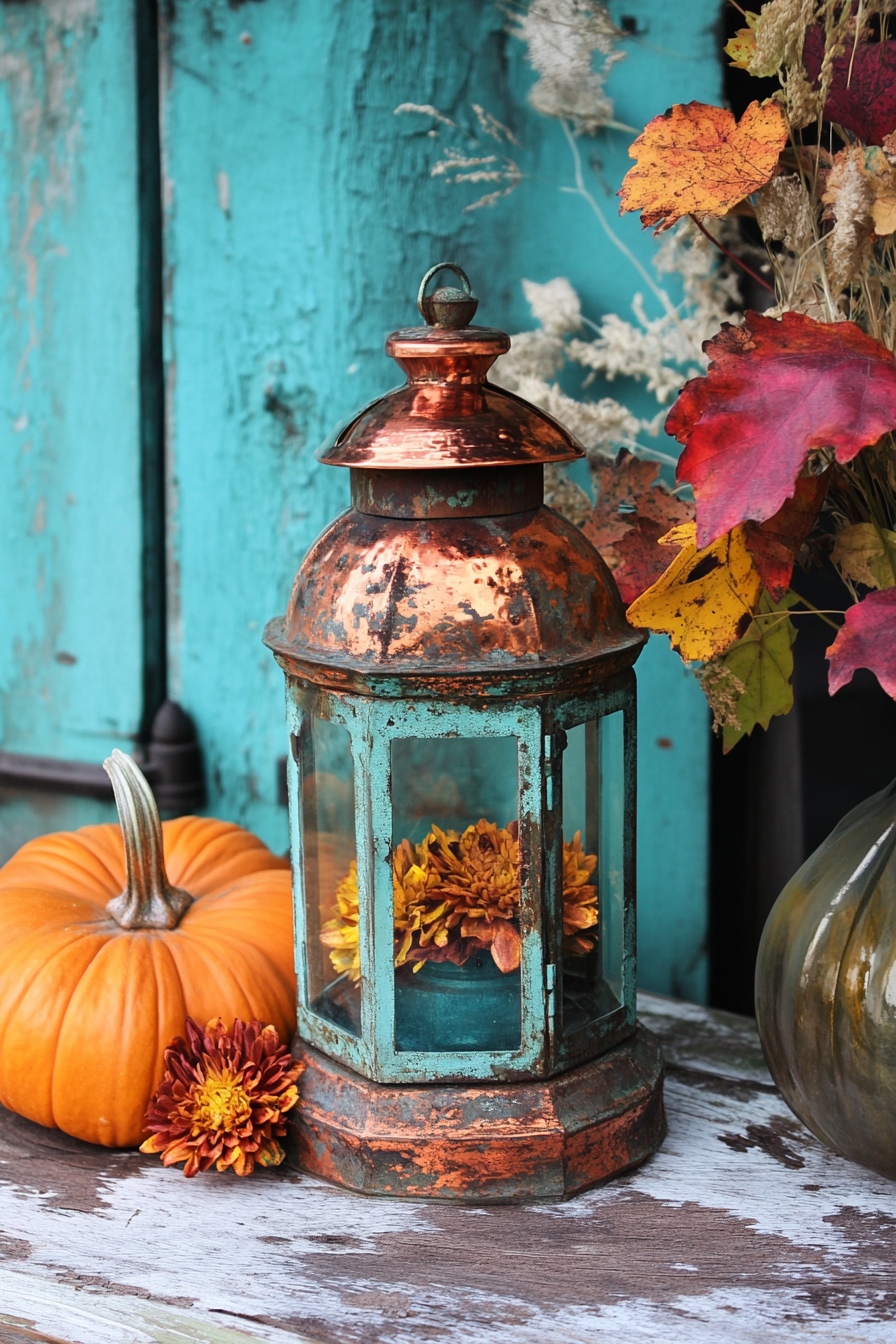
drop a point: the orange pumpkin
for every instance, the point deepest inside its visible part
(104, 954)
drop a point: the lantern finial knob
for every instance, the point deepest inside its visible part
(447, 309)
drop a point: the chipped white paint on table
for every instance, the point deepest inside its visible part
(742, 1227)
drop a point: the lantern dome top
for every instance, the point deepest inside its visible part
(448, 414)
(448, 575)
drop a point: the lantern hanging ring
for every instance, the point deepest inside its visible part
(447, 309)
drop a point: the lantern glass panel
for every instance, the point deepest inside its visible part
(456, 892)
(594, 866)
(330, 873)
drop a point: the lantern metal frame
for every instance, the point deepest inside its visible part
(537, 724)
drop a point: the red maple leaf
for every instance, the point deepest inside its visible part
(867, 639)
(774, 391)
(862, 95)
(632, 512)
(775, 545)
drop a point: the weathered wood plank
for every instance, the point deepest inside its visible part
(71, 655)
(742, 1226)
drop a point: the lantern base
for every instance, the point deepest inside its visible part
(502, 1143)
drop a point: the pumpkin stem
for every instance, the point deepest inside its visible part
(149, 901)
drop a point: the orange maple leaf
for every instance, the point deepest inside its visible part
(697, 160)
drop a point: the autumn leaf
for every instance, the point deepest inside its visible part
(742, 47)
(632, 512)
(860, 554)
(705, 599)
(866, 639)
(641, 559)
(762, 662)
(774, 545)
(862, 93)
(742, 50)
(696, 159)
(621, 486)
(775, 390)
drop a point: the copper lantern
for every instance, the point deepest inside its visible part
(461, 706)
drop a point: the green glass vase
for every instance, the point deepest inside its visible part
(826, 987)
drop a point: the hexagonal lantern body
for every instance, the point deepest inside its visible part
(461, 779)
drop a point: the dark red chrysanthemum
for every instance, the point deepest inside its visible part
(223, 1098)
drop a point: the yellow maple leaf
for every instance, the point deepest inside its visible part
(706, 599)
(743, 48)
(696, 159)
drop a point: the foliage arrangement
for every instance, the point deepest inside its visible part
(111, 936)
(223, 1099)
(789, 457)
(788, 442)
(455, 894)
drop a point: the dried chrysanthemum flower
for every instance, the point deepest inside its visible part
(340, 934)
(479, 873)
(223, 1099)
(455, 894)
(420, 907)
(579, 896)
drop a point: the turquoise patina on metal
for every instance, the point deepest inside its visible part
(537, 726)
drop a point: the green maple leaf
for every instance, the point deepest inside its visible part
(762, 662)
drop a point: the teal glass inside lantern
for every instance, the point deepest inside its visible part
(593, 786)
(456, 893)
(332, 958)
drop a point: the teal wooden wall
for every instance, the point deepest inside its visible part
(298, 216)
(71, 653)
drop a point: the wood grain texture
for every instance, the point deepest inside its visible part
(742, 1227)
(300, 215)
(71, 656)
(70, 675)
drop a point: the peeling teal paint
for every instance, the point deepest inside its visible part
(70, 647)
(299, 216)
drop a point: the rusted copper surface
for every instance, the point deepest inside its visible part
(448, 415)
(460, 587)
(502, 1143)
(477, 492)
(454, 595)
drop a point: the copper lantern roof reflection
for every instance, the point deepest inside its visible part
(448, 571)
(448, 414)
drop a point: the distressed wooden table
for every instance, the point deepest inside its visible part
(742, 1227)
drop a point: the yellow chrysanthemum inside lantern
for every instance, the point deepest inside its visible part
(458, 893)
